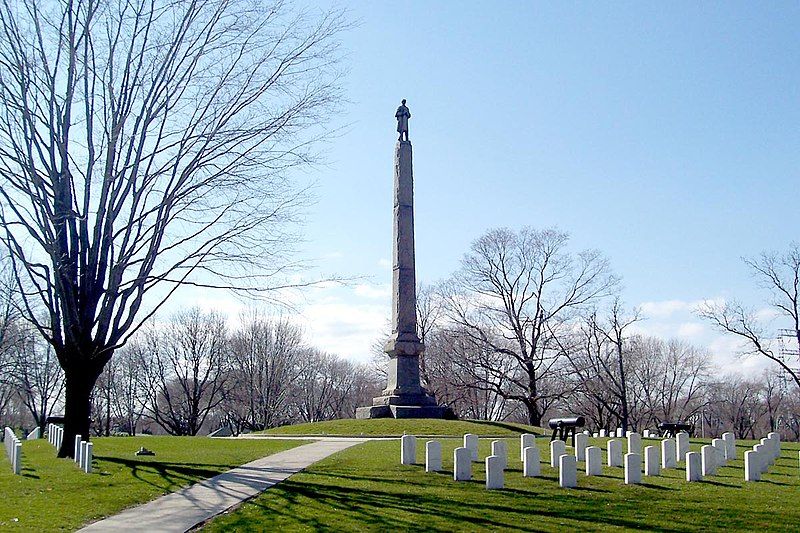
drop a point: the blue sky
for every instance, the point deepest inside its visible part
(664, 135)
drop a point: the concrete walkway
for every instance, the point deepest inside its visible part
(182, 510)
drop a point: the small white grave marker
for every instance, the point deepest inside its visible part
(594, 461)
(499, 450)
(602, 433)
(730, 445)
(722, 451)
(89, 454)
(83, 455)
(581, 441)
(708, 458)
(77, 453)
(615, 452)
(681, 445)
(471, 443)
(752, 470)
(530, 462)
(494, 472)
(652, 461)
(634, 443)
(567, 471)
(433, 456)
(408, 449)
(462, 464)
(557, 449)
(633, 468)
(693, 467)
(526, 440)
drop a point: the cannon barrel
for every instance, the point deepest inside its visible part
(567, 422)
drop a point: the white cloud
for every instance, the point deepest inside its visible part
(373, 291)
(385, 263)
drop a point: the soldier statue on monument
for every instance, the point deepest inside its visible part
(402, 115)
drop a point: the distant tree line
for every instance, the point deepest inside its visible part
(192, 375)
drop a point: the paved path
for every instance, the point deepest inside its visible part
(182, 510)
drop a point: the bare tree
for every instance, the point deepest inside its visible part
(187, 372)
(39, 379)
(516, 292)
(144, 145)
(129, 395)
(779, 274)
(601, 361)
(265, 361)
(672, 376)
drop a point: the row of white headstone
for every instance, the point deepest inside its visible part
(13, 449)
(619, 433)
(55, 435)
(698, 465)
(758, 460)
(83, 454)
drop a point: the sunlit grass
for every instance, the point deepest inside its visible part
(53, 494)
(366, 489)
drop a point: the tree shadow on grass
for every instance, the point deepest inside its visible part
(172, 475)
(391, 510)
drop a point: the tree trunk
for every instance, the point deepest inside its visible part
(78, 385)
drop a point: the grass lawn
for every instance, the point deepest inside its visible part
(390, 427)
(366, 489)
(53, 494)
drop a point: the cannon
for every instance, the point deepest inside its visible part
(564, 427)
(670, 429)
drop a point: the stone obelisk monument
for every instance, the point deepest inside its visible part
(404, 396)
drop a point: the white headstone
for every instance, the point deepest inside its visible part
(526, 440)
(594, 461)
(581, 441)
(78, 449)
(602, 433)
(34, 434)
(767, 451)
(681, 445)
(433, 456)
(752, 469)
(693, 467)
(730, 445)
(494, 471)
(499, 450)
(620, 433)
(761, 459)
(775, 437)
(646, 433)
(633, 468)
(530, 462)
(634, 443)
(615, 452)
(557, 449)
(567, 471)
(652, 461)
(408, 449)
(595, 435)
(471, 443)
(462, 464)
(16, 457)
(83, 455)
(89, 455)
(708, 459)
(722, 450)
